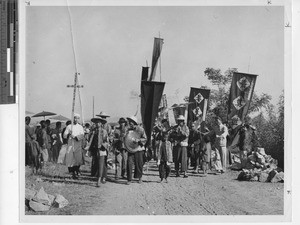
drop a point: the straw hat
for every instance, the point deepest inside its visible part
(103, 115)
(133, 119)
(98, 119)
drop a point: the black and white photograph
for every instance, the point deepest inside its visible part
(151, 109)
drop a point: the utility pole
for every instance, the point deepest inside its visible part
(75, 86)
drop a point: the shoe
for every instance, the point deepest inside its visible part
(161, 180)
(185, 176)
(103, 181)
(177, 174)
(166, 180)
(218, 172)
(128, 182)
(98, 183)
(140, 181)
(222, 171)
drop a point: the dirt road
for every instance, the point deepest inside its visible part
(195, 195)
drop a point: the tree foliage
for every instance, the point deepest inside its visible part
(270, 125)
(271, 131)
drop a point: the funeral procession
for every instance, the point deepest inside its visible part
(170, 138)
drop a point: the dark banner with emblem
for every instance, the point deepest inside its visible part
(151, 93)
(241, 92)
(198, 104)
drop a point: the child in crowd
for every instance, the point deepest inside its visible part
(164, 157)
(36, 155)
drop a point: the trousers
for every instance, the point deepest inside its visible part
(164, 170)
(136, 159)
(180, 153)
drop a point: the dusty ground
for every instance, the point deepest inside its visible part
(195, 195)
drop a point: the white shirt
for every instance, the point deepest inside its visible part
(77, 130)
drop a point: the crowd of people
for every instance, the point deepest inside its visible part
(196, 146)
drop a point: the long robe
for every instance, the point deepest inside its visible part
(74, 156)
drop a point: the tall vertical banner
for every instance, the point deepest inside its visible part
(241, 92)
(198, 104)
(163, 108)
(157, 47)
(145, 73)
(151, 93)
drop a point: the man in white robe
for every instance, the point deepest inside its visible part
(74, 157)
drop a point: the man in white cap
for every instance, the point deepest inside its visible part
(74, 156)
(181, 135)
(135, 156)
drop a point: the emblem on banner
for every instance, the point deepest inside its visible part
(243, 84)
(197, 111)
(198, 98)
(239, 103)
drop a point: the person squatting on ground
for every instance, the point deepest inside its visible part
(221, 132)
(194, 146)
(98, 148)
(74, 157)
(164, 157)
(180, 135)
(136, 158)
(120, 150)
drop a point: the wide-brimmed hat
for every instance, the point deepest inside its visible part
(98, 119)
(133, 119)
(181, 117)
(103, 115)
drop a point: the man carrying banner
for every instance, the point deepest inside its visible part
(74, 156)
(241, 92)
(180, 135)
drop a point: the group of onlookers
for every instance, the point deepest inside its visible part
(195, 146)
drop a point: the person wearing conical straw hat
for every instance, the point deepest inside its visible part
(136, 157)
(99, 147)
(180, 135)
(120, 150)
(106, 126)
(74, 157)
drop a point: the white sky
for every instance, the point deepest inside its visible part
(113, 43)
